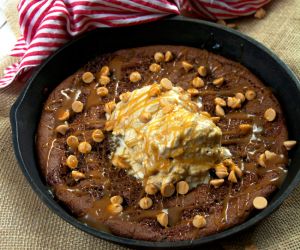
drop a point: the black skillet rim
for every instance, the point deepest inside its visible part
(53, 205)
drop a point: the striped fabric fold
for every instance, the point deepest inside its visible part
(48, 24)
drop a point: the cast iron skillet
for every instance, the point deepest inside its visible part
(26, 111)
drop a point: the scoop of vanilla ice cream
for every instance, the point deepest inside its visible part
(175, 143)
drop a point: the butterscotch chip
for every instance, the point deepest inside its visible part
(218, 82)
(250, 95)
(97, 135)
(220, 101)
(216, 182)
(104, 80)
(262, 160)
(168, 56)
(232, 177)
(76, 175)
(182, 187)
(240, 96)
(215, 119)
(245, 128)
(202, 71)
(145, 117)
(159, 57)
(104, 71)
(119, 162)
(62, 129)
(84, 147)
(233, 102)
(219, 111)
(135, 76)
(151, 189)
(72, 161)
(72, 141)
(117, 199)
(109, 107)
(87, 77)
(198, 82)
(205, 114)
(64, 116)
(77, 106)
(154, 91)
(115, 208)
(260, 13)
(166, 84)
(109, 125)
(270, 114)
(154, 67)
(289, 144)
(145, 203)
(193, 92)
(221, 170)
(187, 66)
(199, 221)
(167, 189)
(125, 96)
(102, 91)
(260, 202)
(162, 219)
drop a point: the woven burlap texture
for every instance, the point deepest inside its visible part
(25, 222)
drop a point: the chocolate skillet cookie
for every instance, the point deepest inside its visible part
(162, 143)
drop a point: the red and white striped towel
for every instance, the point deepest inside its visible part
(48, 24)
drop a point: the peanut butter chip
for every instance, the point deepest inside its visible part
(232, 177)
(117, 199)
(193, 92)
(187, 66)
(270, 114)
(250, 95)
(202, 71)
(216, 182)
(168, 56)
(151, 189)
(198, 82)
(104, 71)
(167, 190)
(220, 101)
(77, 106)
(219, 111)
(240, 96)
(234, 102)
(109, 107)
(62, 129)
(145, 117)
(104, 80)
(102, 91)
(88, 77)
(64, 116)
(162, 219)
(98, 135)
(72, 141)
(166, 84)
(135, 76)
(199, 221)
(218, 82)
(76, 175)
(154, 67)
(182, 187)
(260, 202)
(159, 57)
(115, 208)
(84, 147)
(72, 161)
(289, 144)
(145, 203)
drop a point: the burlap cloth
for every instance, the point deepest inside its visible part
(25, 222)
